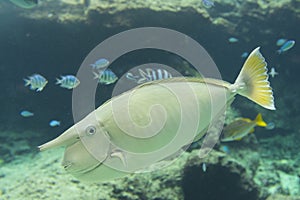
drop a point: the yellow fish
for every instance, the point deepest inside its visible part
(154, 121)
(241, 127)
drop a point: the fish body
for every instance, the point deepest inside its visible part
(280, 41)
(25, 3)
(225, 149)
(68, 81)
(270, 126)
(245, 54)
(153, 75)
(204, 167)
(240, 128)
(54, 123)
(26, 113)
(36, 81)
(149, 74)
(208, 3)
(106, 77)
(272, 72)
(132, 77)
(286, 46)
(100, 64)
(233, 40)
(153, 121)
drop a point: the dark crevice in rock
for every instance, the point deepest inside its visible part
(218, 182)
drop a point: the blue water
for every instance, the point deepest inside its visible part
(52, 47)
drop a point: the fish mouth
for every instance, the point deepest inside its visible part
(74, 166)
(68, 167)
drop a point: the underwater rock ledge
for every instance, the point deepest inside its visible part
(233, 16)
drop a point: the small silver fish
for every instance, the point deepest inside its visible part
(36, 81)
(233, 40)
(100, 64)
(68, 81)
(204, 168)
(280, 41)
(106, 77)
(26, 113)
(54, 123)
(208, 3)
(286, 46)
(273, 73)
(153, 75)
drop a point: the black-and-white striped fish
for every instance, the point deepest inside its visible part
(149, 75)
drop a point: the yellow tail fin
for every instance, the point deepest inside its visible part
(259, 121)
(252, 82)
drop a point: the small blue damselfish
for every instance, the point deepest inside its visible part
(36, 81)
(106, 77)
(100, 64)
(54, 123)
(26, 113)
(68, 81)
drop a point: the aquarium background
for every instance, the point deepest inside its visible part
(54, 38)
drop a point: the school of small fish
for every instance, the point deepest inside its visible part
(104, 76)
(285, 46)
(38, 82)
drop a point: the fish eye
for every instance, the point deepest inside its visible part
(90, 130)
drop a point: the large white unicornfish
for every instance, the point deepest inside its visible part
(154, 121)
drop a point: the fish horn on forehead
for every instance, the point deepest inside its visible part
(68, 137)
